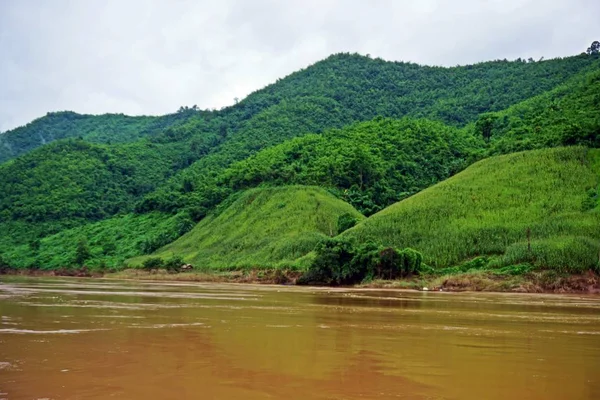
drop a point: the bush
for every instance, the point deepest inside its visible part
(82, 253)
(332, 266)
(4, 266)
(345, 222)
(519, 269)
(410, 261)
(338, 262)
(590, 201)
(174, 263)
(153, 263)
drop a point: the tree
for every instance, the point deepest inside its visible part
(82, 253)
(4, 266)
(594, 48)
(345, 222)
(484, 125)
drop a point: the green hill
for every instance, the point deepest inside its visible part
(107, 128)
(360, 87)
(489, 208)
(566, 115)
(74, 180)
(334, 124)
(261, 228)
(368, 164)
(347, 88)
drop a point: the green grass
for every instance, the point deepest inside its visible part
(489, 208)
(264, 228)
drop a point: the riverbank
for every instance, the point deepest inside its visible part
(484, 281)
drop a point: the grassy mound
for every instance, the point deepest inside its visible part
(269, 227)
(539, 207)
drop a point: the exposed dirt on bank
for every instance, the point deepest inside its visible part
(539, 282)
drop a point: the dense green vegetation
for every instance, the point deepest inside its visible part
(530, 207)
(565, 116)
(271, 227)
(368, 132)
(108, 128)
(347, 88)
(367, 87)
(339, 262)
(74, 180)
(196, 188)
(370, 165)
(109, 242)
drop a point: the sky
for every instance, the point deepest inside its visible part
(149, 57)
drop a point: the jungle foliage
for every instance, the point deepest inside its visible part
(97, 190)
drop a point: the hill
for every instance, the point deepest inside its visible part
(77, 180)
(370, 87)
(105, 245)
(566, 115)
(368, 164)
(261, 228)
(327, 125)
(107, 128)
(344, 89)
(538, 207)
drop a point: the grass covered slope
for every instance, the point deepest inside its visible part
(269, 227)
(489, 208)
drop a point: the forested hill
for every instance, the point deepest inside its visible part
(374, 87)
(107, 128)
(370, 132)
(357, 87)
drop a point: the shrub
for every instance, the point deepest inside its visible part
(338, 262)
(153, 263)
(519, 269)
(82, 253)
(366, 258)
(174, 263)
(332, 265)
(345, 222)
(4, 266)
(410, 261)
(389, 263)
(590, 201)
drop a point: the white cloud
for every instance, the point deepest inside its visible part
(150, 57)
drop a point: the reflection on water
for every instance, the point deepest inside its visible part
(71, 338)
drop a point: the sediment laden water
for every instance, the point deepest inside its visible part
(97, 339)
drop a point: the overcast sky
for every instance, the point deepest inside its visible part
(151, 56)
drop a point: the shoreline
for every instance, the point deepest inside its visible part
(540, 283)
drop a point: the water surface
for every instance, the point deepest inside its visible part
(98, 339)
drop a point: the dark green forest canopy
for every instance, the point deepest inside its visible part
(76, 180)
(108, 128)
(360, 86)
(566, 115)
(457, 95)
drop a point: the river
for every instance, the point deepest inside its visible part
(64, 338)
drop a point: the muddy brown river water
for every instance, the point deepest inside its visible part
(102, 339)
